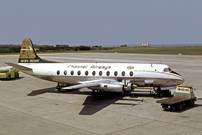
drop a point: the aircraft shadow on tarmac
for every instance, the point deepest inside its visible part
(92, 106)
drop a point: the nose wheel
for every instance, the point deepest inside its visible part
(163, 93)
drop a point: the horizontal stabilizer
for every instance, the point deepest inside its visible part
(84, 85)
(19, 66)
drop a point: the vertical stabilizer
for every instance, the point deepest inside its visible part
(28, 54)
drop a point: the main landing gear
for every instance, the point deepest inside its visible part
(97, 94)
(60, 85)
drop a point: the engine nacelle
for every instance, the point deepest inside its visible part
(111, 87)
(115, 87)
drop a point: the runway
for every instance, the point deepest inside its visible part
(30, 106)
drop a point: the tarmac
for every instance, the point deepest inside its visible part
(31, 106)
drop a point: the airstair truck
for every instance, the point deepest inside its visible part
(183, 96)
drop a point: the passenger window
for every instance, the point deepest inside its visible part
(86, 73)
(123, 73)
(93, 73)
(131, 73)
(79, 72)
(58, 72)
(100, 73)
(65, 72)
(72, 72)
(108, 73)
(115, 73)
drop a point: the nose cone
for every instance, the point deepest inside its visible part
(180, 80)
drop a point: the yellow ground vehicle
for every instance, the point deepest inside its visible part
(8, 72)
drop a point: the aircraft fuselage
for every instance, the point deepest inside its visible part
(141, 75)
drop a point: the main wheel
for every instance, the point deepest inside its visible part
(97, 95)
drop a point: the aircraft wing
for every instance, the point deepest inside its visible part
(83, 85)
(93, 83)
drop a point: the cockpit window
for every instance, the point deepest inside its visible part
(167, 70)
(170, 71)
(175, 73)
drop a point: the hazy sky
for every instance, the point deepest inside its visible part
(101, 22)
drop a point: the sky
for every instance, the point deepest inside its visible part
(101, 22)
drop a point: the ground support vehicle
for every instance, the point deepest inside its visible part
(183, 97)
(8, 72)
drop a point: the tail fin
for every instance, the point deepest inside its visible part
(28, 54)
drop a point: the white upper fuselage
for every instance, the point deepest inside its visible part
(142, 75)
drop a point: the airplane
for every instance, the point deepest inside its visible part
(99, 77)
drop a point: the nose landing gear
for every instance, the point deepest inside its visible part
(163, 93)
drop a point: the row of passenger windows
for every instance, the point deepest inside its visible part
(94, 73)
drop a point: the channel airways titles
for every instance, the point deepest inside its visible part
(93, 66)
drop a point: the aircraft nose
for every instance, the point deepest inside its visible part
(181, 80)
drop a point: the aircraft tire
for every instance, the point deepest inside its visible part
(97, 95)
